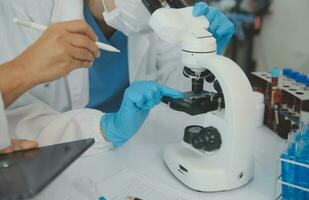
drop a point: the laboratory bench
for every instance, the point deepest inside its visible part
(144, 155)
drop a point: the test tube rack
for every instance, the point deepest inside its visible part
(292, 179)
(293, 104)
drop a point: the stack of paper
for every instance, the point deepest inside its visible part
(129, 183)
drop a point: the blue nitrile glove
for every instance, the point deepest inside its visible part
(138, 100)
(219, 25)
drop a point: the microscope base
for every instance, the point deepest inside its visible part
(203, 173)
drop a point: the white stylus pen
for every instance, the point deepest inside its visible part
(40, 27)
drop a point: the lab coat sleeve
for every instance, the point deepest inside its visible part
(4, 133)
(40, 122)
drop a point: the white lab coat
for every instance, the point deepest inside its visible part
(150, 58)
(4, 132)
(48, 113)
(45, 112)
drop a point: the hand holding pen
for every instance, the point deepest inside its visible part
(61, 48)
(40, 27)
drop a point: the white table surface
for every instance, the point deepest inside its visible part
(143, 154)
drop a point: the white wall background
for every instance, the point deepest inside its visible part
(284, 40)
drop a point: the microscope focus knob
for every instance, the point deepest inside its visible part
(208, 139)
(212, 137)
(190, 132)
(199, 141)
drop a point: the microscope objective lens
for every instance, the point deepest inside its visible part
(197, 85)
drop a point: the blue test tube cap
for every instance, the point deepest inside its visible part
(275, 72)
(307, 82)
(301, 78)
(289, 73)
(294, 74)
(102, 198)
(286, 71)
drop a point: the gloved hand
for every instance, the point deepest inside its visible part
(219, 25)
(138, 100)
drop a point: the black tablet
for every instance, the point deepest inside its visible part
(24, 174)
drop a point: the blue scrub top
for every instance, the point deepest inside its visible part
(108, 76)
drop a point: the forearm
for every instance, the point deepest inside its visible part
(40, 122)
(13, 81)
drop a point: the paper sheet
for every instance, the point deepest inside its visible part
(129, 183)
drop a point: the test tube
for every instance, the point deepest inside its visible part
(275, 73)
(301, 153)
(288, 169)
(292, 143)
(298, 150)
(275, 95)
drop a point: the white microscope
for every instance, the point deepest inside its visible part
(219, 155)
